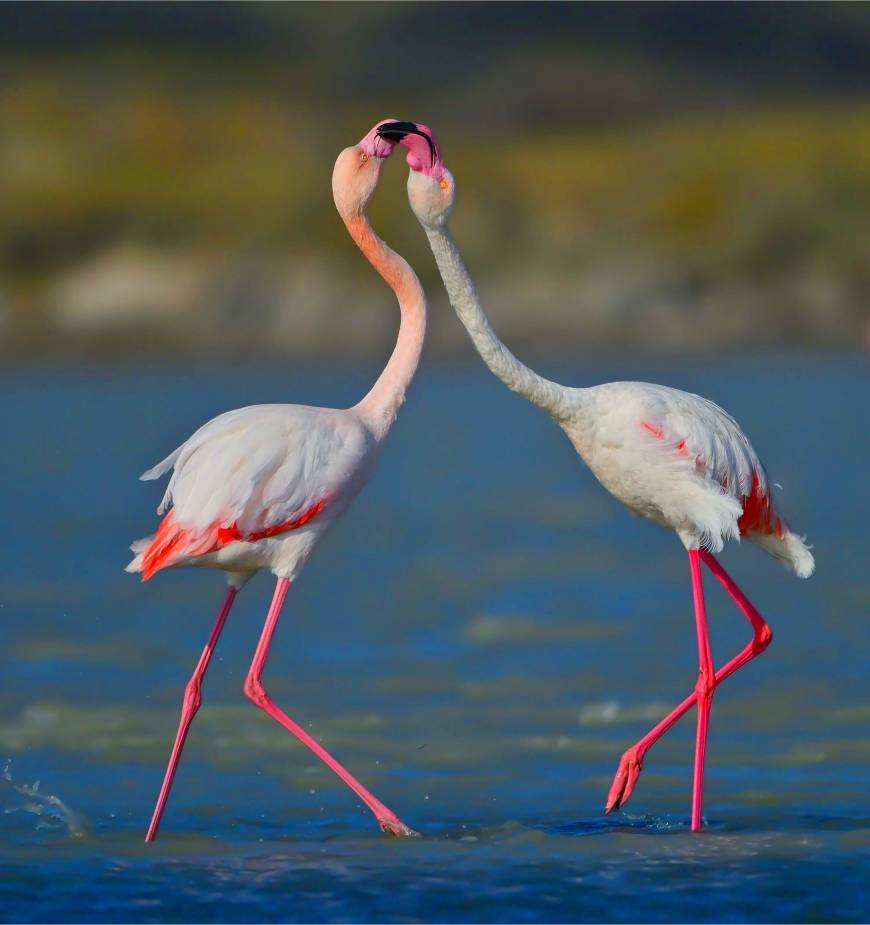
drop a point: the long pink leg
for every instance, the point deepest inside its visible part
(189, 706)
(704, 687)
(387, 819)
(631, 763)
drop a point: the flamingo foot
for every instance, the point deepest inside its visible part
(625, 778)
(397, 828)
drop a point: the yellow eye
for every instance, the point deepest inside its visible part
(363, 157)
(443, 184)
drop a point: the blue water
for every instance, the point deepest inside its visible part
(478, 641)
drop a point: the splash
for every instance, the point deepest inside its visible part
(51, 812)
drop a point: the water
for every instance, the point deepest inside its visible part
(479, 641)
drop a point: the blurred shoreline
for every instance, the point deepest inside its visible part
(130, 302)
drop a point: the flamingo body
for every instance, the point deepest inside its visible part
(256, 488)
(680, 461)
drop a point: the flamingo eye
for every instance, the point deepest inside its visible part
(363, 157)
(443, 184)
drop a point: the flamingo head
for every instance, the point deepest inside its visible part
(431, 187)
(358, 169)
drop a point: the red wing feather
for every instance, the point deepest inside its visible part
(173, 541)
(758, 514)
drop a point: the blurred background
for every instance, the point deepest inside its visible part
(654, 176)
(674, 193)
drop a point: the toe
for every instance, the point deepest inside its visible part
(614, 797)
(623, 782)
(398, 829)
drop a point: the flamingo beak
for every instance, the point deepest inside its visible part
(396, 131)
(422, 158)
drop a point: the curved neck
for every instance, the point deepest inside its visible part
(381, 404)
(550, 396)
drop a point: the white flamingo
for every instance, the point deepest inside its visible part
(256, 488)
(670, 456)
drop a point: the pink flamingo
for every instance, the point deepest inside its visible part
(256, 488)
(670, 456)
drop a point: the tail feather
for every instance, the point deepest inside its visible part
(162, 467)
(169, 543)
(138, 547)
(762, 524)
(789, 548)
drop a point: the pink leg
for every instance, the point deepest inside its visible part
(388, 820)
(189, 706)
(704, 687)
(632, 760)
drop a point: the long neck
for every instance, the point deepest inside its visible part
(381, 404)
(550, 396)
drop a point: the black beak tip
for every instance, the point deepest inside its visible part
(396, 131)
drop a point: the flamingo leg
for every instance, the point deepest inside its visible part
(387, 819)
(632, 760)
(704, 687)
(189, 706)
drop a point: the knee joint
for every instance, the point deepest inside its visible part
(192, 696)
(255, 691)
(763, 638)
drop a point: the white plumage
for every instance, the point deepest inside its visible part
(253, 470)
(673, 457)
(681, 461)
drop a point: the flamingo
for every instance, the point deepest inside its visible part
(672, 457)
(256, 488)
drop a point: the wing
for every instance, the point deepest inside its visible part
(698, 432)
(253, 473)
(711, 438)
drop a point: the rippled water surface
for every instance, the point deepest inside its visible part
(479, 641)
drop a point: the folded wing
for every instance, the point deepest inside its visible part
(250, 474)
